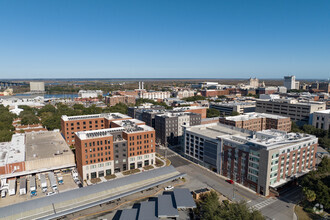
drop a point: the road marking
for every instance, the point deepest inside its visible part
(263, 204)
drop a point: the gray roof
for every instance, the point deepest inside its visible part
(147, 211)
(183, 198)
(79, 194)
(128, 214)
(166, 207)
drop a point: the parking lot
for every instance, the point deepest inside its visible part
(68, 184)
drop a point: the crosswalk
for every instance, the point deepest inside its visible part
(263, 204)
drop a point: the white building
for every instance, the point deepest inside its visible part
(321, 119)
(154, 95)
(37, 87)
(12, 101)
(89, 93)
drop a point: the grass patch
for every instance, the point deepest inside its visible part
(149, 167)
(158, 155)
(95, 180)
(109, 177)
(128, 172)
(159, 163)
(301, 214)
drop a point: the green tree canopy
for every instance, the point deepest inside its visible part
(209, 208)
(211, 112)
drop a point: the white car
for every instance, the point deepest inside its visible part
(167, 188)
(51, 193)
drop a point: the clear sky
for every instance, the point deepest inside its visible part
(164, 38)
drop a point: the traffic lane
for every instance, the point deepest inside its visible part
(278, 210)
(190, 168)
(216, 182)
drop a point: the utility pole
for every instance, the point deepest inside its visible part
(234, 186)
(166, 145)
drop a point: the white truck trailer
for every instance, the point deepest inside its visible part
(52, 180)
(43, 182)
(22, 186)
(12, 187)
(33, 186)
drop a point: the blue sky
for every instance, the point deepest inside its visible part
(164, 38)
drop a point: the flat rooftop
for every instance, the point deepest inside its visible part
(109, 116)
(214, 130)
(14, 151)
(133, 121)
(231, 104)
(324, 111)
(271, 139)
(83, 135)
(253, 115)
(46, 144)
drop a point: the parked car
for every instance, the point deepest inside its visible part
(167, 188)
(51, 193)
(230, 181)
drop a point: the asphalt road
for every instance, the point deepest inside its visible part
(273, 208)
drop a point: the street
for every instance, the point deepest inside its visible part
(280, 208)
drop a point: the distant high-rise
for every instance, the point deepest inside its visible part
(254, 82)
(290, 82)
(37, 87)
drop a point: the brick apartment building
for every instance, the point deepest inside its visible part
(213, 92)
(261, 160)
(113, 100)
(107, 151)
(72, 124)
(258, 121)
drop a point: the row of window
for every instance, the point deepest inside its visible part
(84, 123)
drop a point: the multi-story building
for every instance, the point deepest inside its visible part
(72, 124)
(89, 93)
(324, 86)
(37, 87)
(184, 93)
(169, 126)
(34, 152)
(254, 82)
(298, 111)
(128, 145)
(214, 92)
(154, 94)
(262, 160)
(290, 82)
(321, 119)
(258, 121)
(229, 108)
(194, 109)
(126, 99)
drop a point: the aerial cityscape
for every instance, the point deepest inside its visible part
(143, 110)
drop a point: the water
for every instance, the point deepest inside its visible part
(48, 96)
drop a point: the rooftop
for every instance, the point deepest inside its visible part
(124, 123)
(215, 130)
(253, 115)
(324, 111)
(271, 139)
(109, 116)
(14, 151)
(230, 104)
(83, 135)
(46, 144)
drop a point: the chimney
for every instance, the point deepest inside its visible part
(139, 85)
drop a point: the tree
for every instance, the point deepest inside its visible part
(211, 113)
(209, 208)
(194, 98)
(234, 113)
(309, 194)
